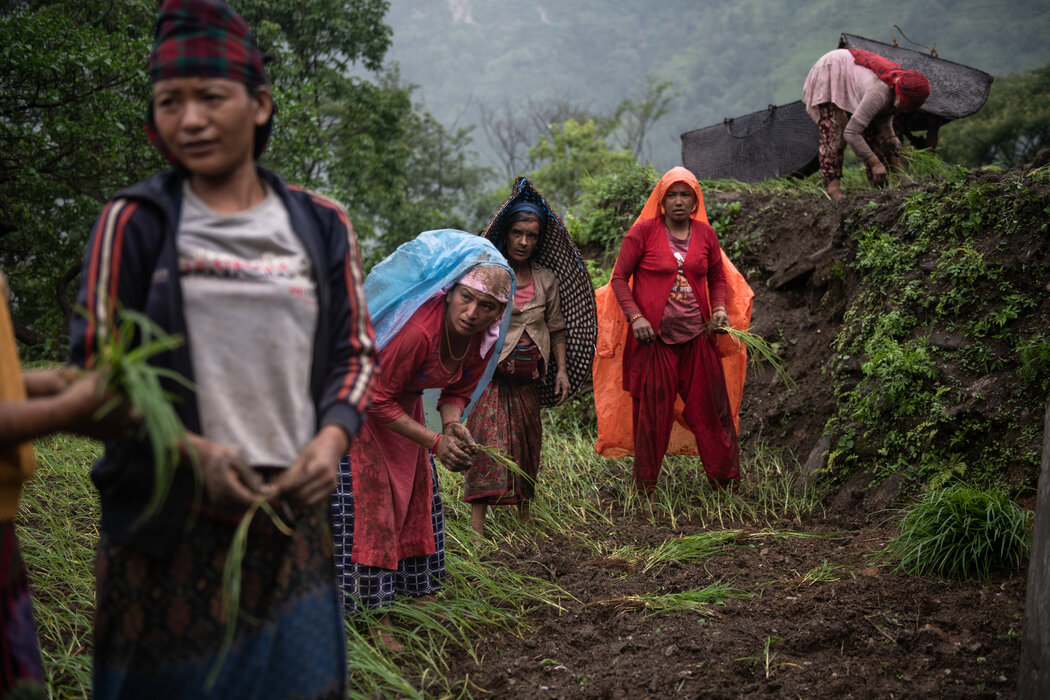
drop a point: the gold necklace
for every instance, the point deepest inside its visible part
(448, 342)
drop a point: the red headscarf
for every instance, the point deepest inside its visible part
(911, 87)
(654, 206)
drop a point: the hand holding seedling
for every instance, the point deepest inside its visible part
(455, 449)
(227, 477)
(719, 319)
(69, 400)
(310, 479)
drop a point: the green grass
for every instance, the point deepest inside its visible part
(583, 497)
(58, 531)
(961, 532)
(698, 600)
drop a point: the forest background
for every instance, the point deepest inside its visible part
(418, 113)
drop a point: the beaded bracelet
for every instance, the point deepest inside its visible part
(633, 317)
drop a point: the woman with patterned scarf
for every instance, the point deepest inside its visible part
(508, 413)
(852, 95)
(438, 302)
(263, 281)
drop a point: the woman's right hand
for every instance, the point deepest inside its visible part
(643, 330)
(879, 177)
(228, 479)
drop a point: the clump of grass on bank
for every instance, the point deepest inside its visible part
(960, 532)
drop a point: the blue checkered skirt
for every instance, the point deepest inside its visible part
(370, 586)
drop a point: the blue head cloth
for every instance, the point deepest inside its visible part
(531, 207)
(430, 263)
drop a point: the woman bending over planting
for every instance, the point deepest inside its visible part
(263, 280)
(679, 292)
(439, 304)
(852, 96)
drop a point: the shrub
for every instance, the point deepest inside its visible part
(609, 204)
(960, 532)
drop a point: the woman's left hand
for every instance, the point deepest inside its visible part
(311, 478)
(454, 447)
(561, 385)
(720, 319)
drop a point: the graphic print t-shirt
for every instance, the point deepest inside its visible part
(682, 320)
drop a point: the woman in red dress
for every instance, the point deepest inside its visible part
(676, 264)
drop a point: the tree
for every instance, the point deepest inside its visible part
(72, 98)
(1011, 127)
(635, 119)
(571, 152)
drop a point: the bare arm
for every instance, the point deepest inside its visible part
(561, 380)
(59, 405)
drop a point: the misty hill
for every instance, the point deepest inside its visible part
(724, 59)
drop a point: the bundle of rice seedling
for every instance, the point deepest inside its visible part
(960, 532)
(130, 377)
(501, 458)
(758, 349)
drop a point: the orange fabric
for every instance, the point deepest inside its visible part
(16, 461)
(613, 404)
(654, 206)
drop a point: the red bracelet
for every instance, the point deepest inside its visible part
(433, 448)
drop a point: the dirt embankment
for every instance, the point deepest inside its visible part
(798, 254)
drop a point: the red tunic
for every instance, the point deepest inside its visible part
(646, 254)
(393, 491)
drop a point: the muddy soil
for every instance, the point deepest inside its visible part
(868, 633)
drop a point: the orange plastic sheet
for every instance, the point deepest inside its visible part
(613, 404)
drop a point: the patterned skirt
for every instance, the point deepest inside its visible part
(159, 622)
(371, 587)
(507, 416)
(21, 673)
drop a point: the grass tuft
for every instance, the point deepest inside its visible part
(960, 532)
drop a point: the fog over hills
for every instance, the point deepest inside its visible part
(724, 59)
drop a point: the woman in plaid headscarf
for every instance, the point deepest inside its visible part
(852, 95)
(263, 280)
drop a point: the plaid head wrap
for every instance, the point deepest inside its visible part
(205, 39)
(912, 89)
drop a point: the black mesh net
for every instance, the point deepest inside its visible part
(780, 140)
(560, 255)
(955, 90)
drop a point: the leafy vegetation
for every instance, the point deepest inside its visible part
(1011, 127)
(960, 532)
(945, 299)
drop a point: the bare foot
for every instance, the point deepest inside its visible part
(477, 523)
(384, 636)
(523, 512)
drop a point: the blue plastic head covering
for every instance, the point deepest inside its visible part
(427, 265)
